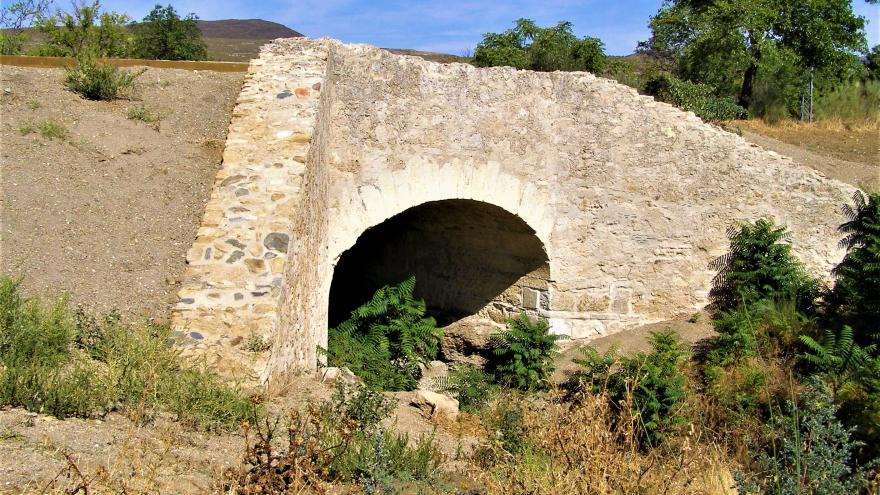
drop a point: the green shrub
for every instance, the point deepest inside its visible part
(142, 114)
(594, 375)
(164, 35)
(742, 391)
(48, 129)
(523, 354)
(811, 454)
(653, 384)
(693, 97)
(658, 387)
(63, 363)
(852, 101)
(761, 328)
(386, 339)
(99, 81)
(760, 265)
(472, 387)
(528, 46)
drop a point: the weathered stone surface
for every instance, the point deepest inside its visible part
(434, 405)
(630, 198)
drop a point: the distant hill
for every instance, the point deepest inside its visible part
(239, 40)
(248, 29)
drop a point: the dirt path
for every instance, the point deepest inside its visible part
(108, 212)
(861, 168)
(691, 331)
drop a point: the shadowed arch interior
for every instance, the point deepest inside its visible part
(467, 257)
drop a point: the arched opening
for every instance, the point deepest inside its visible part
(468, 257)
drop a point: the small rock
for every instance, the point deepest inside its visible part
(468, 341)
(332, 374)
(435, 405)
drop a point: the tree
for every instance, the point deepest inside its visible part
(164, 35)
(16, 16)
(85, 31)
(528, 46)
(723, 42)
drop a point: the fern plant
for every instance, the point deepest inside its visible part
(386, 339)
(524, 353)
(856, 294)
(837, 357)
(760, 265)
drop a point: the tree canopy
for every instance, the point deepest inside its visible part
(163, 34)
(527, 46)
(85, 30)
(725, 43)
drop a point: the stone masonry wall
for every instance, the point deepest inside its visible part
(629, 197)
(235, 272)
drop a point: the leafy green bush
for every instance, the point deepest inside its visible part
(653, 384)
(385, 340)
(67, 364)
(760, 265)
(761, 328)
(528, 46)
(98, 81)
(594, 375)
(694, 97)
(164, 35)
(523, 354)
(84, 30)
(658, 387)
(142, 114)
(472, 387)
(812, 453)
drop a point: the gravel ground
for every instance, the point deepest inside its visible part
(107, 213)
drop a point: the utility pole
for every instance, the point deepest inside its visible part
(811, 94)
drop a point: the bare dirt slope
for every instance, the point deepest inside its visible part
(108, 212)
(849, 154)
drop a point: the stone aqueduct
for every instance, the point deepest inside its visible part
(563, 194)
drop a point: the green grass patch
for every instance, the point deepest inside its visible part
(142, 114)
(57, 361)
(48, 129)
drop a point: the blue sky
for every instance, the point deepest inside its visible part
(450, 26)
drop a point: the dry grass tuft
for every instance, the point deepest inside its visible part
(588, 447)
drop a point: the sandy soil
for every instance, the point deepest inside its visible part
(107, 213)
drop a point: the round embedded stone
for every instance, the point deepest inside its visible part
(276, 241)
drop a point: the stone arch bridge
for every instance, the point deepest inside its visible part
(562, 194)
